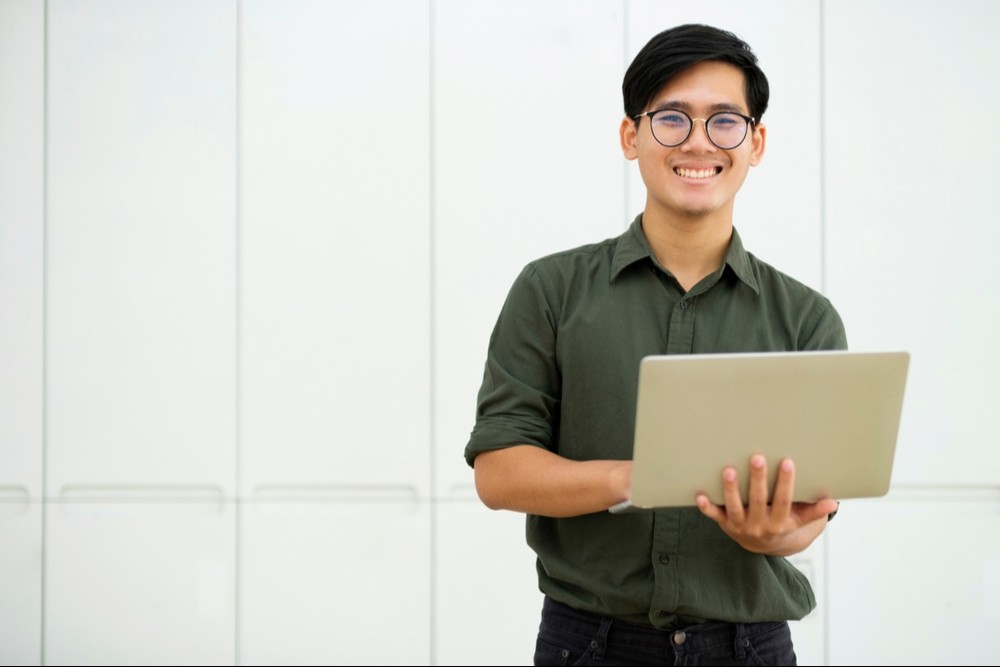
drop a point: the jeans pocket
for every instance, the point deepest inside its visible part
(562, 648)
(771, 647)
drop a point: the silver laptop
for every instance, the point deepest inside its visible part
(836, 414)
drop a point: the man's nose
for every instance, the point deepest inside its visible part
(698, 139)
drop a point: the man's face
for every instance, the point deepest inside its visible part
(695, 179)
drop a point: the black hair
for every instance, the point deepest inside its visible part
(676, 49)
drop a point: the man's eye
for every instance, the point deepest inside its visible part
(725, 122)
(669, 119)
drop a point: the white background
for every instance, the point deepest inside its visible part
(251, 253)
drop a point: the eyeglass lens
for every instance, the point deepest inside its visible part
(672, 128)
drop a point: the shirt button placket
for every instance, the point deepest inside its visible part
(680, 329)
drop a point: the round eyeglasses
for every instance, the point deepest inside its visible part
(672, 127)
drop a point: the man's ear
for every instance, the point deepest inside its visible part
(759, 141)
(628, 133)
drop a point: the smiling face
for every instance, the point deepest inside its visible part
(695, 180)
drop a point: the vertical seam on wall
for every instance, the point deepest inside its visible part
(432, 333)
(823, 287)
(627, 215)
(237, 348)
(45, 318)
(822, 150)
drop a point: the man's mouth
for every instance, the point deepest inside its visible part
(697, 173)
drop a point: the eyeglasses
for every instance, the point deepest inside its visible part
(672, 127)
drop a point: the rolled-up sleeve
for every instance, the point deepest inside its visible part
(518, 401)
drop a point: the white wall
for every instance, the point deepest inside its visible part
(251, 253)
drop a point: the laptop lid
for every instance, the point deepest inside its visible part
(835, 413)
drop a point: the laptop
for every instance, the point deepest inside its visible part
(835, 413)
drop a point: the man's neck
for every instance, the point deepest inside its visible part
(689, 247)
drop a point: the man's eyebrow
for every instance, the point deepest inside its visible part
(684, 106)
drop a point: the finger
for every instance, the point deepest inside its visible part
(713, 512)
(757, 500)
(784, 491)
(731, 494)
(809, 512)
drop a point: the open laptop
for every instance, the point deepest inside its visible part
(835, 413)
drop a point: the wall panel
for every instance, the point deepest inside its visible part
(912, 157)
(334, 246)
(333, 581)
(21, 246)
(140, 246)
(914, 579)
(20, 581)
(22, 51)
(138, 583)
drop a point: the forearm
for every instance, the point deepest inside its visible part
(529, 479)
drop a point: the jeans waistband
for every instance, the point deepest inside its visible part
(693, 637)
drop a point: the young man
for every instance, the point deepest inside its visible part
(553, 435)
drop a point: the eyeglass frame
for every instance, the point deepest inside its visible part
(750, 121)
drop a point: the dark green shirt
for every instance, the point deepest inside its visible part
(562, 373)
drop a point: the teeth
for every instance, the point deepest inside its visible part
(695, 173)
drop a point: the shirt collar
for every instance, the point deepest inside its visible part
(633, 247)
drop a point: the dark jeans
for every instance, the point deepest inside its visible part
(567, 636)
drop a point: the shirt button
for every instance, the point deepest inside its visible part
(684, 304)
(664, 558)
(680, 637)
